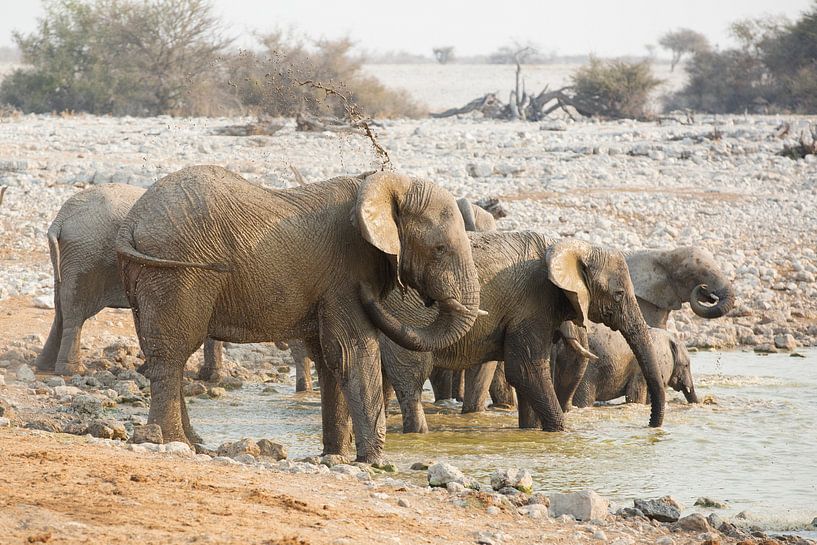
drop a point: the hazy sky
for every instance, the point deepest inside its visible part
(603, 27)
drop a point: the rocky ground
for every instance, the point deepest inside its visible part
(67, 489)
(718, 184)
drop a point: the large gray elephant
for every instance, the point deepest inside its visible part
(530, 285)
(663, 280)
(86, 280)
(616, 373)
(205, 253)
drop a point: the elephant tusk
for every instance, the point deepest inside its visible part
(577, 347)
(481, 312)
(452, 305)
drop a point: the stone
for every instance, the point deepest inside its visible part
(62, 391)
(515, 478)
(709, 502)
(441, 473)
(108, 429)
(246, 459)
(2, 380)
(75, 427)
(270, 449)
(420, 466)
(714, 520)
(534, 511)
(236, 448)
(54, 382)
(149, 433)
(216, 392)
(25, 374)
(403, 503)
(584, 505)
(479, 170)
(538, 498)
(785, 342)
(85, 404)
(454, 487)
(231, 383)
(493, 510)
(695, 522)
(127, 389)
(106, 378)
(4, 422)
(192, 389)
(331, 460)
(665, 540)
(43, 423)
(44, 302)
(6, 409)
(659, 510)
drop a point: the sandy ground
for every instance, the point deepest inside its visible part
(59, 489)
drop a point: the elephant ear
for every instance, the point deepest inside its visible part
(651, 280)
(377, 213)
(566, 269)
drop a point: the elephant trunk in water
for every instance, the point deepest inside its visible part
(689, 394)
(454, 320)
(711, 304)
(638, 338)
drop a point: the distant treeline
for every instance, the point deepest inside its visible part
(149, 57)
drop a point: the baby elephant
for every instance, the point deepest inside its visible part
(617, 373)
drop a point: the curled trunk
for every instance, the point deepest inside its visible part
(453, 321)
(711, 304)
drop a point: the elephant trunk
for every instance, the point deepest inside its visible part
(689, 393)
(711, 304)
(453, 321)
(640, 342)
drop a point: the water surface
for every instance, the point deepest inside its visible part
(753, 446)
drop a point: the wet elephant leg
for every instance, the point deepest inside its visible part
(213, 362)
(68, 358)
(303, 367)
(407, 371)
(166, 399)
(527, 364)
(502, 393)
(192, 437)
(458, 384)
(335, 419)
(477, 381)
(527, 416)
(441, 382)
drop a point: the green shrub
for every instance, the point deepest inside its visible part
(614, 89)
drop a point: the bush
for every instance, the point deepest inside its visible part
(115, 56)
(614, 89)
(271, 82)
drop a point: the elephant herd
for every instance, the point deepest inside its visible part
(398, 282)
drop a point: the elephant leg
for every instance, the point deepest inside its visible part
(68, 358)
(166, 400)
(477, 381)
(47, 359)
(636, 390)
(502, 393)
(407, 371)
(527, 365)
(303, 367)
(213, 361)
(441, 382)
(192, 437)
(458, 385)
(527, 416)
(585, 394)
(571, 368)
(411, 406)
(335, 420)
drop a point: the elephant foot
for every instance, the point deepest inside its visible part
(68, 368)
(371, 459)
(211, 375)
(501, 407)
(45, 363)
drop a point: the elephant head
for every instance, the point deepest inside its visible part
(668, 278)
(419, 228)
(597, 283)
(680, 379)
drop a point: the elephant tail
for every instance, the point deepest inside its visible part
(54, 249)
(124, 248)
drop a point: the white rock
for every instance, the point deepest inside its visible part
(441, 473)
(178, 448)
(535, 511)
(4, 422)
(25, 374)
(61, 391)
(584, 505)
(514, 478)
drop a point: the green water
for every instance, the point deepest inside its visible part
(753, 448)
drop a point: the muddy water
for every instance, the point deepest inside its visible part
(753, 447)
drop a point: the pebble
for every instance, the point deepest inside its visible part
(442, 473)
(85, 404)
(178, 448)
(403, 503)
(535, 511)
(148, 433)
(519, 479)
(4, 422)
(25, 374)
(660, 510)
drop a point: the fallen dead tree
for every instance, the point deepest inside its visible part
(525, 107)
(259, 128)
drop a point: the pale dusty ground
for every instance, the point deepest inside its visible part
(59, 489)
(443, 86)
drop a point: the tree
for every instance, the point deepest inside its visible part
(444, 54)
(683, 41)
(614, 89)
(138, 57)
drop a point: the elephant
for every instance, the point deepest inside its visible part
(86, 280)
(530, 285)
(205, 253)
(616, 373)
(663, 279)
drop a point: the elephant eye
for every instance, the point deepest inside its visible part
(440, 249)
(618, 295)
